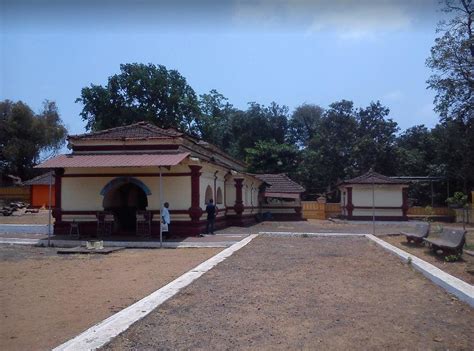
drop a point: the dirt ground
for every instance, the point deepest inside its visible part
(20, 217)
(458, 269)
(306, 293)
(46, 298)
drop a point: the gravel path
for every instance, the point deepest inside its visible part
(306, 293)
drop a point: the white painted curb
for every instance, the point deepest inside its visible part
(103, 332)
(19, 241)
(453, 285)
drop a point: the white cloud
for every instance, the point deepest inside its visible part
(394, 95)
(348, 19)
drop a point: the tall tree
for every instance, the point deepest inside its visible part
(141, 92)
(304, 124)
(25, 136)
(328, 156)
(416, 148)
(452, 62)
(257, 123)
(374, 146)
(272, 157)
(214, 123)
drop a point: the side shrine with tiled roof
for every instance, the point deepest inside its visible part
(115, 182)
(281, 197)
(373, 194)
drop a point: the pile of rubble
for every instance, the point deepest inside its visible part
(12, 207)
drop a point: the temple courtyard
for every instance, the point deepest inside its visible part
(274, 293)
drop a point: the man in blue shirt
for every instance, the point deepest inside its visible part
(211, 216)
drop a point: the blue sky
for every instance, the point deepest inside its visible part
(288, 51)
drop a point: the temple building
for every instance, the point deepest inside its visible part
(123, 175)
(373, 195)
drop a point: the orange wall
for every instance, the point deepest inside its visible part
(40, 196)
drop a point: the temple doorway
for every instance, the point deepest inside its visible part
(123, 201)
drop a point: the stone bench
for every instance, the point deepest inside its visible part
(449, 241)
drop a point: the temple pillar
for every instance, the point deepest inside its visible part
(239, 206)
(58, 174)
(405, 203)
(350, 205)
(195, 211)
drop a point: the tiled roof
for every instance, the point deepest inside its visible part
(114, 160)
(280, 183)
(42, 179)
(140, 130)
(372, 177)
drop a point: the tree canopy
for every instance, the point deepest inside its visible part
(26, 137)
(452, 63)
(141, 93)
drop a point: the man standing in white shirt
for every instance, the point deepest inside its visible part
(165, 218)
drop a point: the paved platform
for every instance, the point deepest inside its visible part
(218, 240)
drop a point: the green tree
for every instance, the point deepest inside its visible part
(26, 137)
(452, 62)
(214, 123)
(416, 149)
(454, 149)
(328, 157)
(272, 157)
(374, 145)
(304, 124)
(141, 93)
(257, 123)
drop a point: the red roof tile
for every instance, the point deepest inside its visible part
(114, 160)
(140, 130)
(372, 177)
(42, 179)
(280, 183)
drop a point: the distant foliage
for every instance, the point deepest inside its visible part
(26, 137)
(141, 93)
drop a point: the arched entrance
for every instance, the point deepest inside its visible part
(123, 198)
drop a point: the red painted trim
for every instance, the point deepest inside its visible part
(58, 174)
(31, 195)
(405, 202)
(123, 147)
(238, 207)
(195, 211)
(78, 175)
(350, 205)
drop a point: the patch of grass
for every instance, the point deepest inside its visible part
(452, 258)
